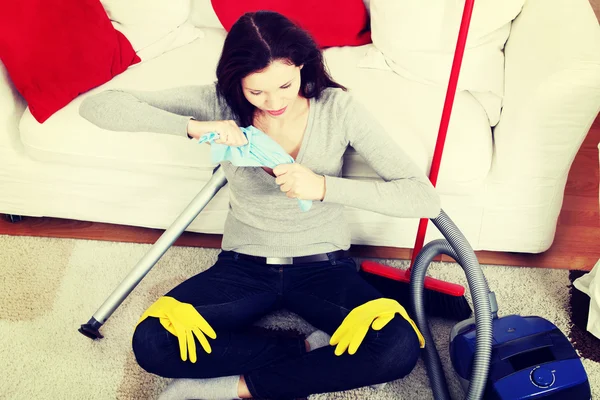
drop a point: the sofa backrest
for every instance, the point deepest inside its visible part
(202, 14)
(418, 40)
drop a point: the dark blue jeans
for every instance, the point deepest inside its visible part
(235, 293)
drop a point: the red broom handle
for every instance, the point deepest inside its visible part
(441, 138)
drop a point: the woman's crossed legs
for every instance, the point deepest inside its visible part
(235, 293)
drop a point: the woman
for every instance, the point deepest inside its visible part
(271, 75)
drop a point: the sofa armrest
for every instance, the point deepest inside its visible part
(552, 90)
(12, 106)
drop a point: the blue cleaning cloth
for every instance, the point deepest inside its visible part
(261, 151)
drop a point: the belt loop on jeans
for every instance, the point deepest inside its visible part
(236, 256)
(332, 259)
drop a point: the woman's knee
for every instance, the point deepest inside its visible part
(397, 349)
(151, 345)
(157, 351)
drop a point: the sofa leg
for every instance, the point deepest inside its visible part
(13, 219)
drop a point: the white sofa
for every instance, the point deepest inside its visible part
(501, 181)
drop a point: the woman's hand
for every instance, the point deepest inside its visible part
(229, 133)
(297, 181)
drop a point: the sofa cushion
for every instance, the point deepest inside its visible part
(418, 40)
(409, 111)
(152, 26)
(53, 51)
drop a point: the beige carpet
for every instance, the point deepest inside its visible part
(51, 286)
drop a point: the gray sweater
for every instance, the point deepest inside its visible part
(262, 220)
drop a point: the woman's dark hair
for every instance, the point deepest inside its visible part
(256, 40)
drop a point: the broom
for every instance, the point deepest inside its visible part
(442, 299)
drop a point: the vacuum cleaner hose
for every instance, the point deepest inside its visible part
(457, 247)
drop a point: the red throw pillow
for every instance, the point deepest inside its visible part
(55, 50)
(330, 22)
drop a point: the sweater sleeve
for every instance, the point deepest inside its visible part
(162, 111)
(405, 191)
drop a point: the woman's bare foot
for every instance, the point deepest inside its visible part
(243, 392)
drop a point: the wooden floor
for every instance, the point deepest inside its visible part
(576, 246)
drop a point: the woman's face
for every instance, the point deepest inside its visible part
(274, 89)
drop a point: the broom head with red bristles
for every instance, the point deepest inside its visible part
(442, 299)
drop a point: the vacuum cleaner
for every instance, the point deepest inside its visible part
(497, 358)
(531, 359)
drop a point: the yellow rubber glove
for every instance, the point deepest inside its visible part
(183, 321)
(376, 313)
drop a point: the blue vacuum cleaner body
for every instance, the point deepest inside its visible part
(531, 359)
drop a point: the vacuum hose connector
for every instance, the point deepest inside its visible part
(484, 304)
